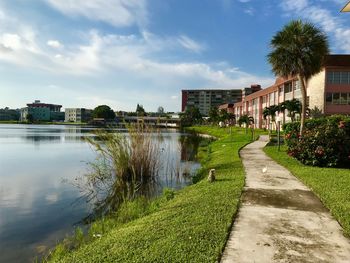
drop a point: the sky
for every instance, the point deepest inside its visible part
(84, 53)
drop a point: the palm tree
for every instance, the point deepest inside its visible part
(248, 120)
(271, 111)
(299, 50)
(292, 106)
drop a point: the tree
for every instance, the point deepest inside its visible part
(103, 111)
(30, 118)
(271, 112)
(160, 110)
(191, 116)
(140, 111)
(224, 116)
(299, 50)
(247, 120)
(315, 113)
(292, 106)
(214, 114)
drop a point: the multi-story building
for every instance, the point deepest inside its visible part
(7, 114)
(42, 112)
(77, 115)
(328, 91)
(37, 114)
(205, 99)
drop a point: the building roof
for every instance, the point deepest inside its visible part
(187, 90)
(226, 106)
(337, 61)
(346, 8)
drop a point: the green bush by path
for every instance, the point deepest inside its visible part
(192, 226)
(325, 141)
(331, 185)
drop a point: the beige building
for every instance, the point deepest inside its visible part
(77, 115)
(328, 91)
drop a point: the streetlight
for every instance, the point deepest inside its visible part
(278, 120)
(346, 8)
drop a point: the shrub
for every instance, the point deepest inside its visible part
(325, 141)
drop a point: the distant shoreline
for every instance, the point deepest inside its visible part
(45, 123)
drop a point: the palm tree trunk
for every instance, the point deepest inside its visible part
(303, 104)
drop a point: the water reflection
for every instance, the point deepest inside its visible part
(36, 206)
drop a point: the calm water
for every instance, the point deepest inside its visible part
(38, 205)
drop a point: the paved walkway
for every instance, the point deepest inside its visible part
(281, 220)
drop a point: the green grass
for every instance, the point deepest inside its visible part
(331, 185)
(191, 227)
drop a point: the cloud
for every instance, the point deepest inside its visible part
(190, 44)
(54, 44)
(331, 24)
(118, 13)
(250, 11)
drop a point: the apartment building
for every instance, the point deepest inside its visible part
(77, 115)
(205, 99)
(329, 91)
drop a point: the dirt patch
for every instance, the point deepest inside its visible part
(295, 243)
(289, 199)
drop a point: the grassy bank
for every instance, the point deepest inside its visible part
(190, 227)
(331, 185)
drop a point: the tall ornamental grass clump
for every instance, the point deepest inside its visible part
(325, 142)
(127, 167)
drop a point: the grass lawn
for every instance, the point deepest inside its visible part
(191, 227)
(331, 185)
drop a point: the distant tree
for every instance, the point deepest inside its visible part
(271, 112)
(30, 118)
(214, 114)
(160, 110)
(191, 116)
(224, 116)
(247, 120)
(292, 106)
(299, 50)
(103, 111)
(140, 111)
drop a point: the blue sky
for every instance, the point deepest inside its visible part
(83, 53)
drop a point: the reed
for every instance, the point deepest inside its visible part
(127, 167)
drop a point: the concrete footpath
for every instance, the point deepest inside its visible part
(280, 219)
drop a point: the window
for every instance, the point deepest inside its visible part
(338, 77)
(329, 98)
(288, 87)
(336, 98)
(344, 77)
(343, 98)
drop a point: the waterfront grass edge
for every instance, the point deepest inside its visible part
(191, 227)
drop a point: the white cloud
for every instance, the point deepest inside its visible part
(249, 11)
(118, 13)
(323, 17)
(190, 44)
(54, 44)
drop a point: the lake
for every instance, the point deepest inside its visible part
(39, 205)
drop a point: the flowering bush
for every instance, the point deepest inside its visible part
(325, 142)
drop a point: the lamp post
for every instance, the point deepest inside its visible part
(278, 120)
